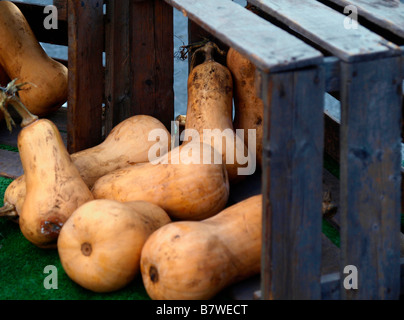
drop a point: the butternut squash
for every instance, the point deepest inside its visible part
(128, 143)
(54, 187)
(195, 260)
(100, 245)
(23, 58)
(209, 107)
(248, 106)
(184, 182)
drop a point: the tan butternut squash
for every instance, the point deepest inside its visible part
(248, 106)
(23, 58)
(128, 143)
(185, 183)
(209, 107)
(100, 245)
(195, 260)
(54, 187)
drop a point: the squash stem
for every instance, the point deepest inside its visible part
(27, 117)
(8, 210)
(9, 96)
(207, 51)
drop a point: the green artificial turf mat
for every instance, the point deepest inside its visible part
(8, 148)
(22, 267)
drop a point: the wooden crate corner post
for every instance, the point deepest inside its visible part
(292, 183)
(371, 176)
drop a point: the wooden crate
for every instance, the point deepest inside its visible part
(302, 51)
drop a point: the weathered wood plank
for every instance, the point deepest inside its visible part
(35, 16)
(152, 65)
(325, 27)
(387, 14)
(118, 60)
(267, 46)
(292, 173)
(331, 284)
(61, 5)
(370, 176)
(332, 74)
(86, 76)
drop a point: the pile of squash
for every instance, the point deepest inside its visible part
(110, 212)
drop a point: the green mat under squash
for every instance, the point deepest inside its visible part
(22, 270)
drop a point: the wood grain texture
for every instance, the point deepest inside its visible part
(388, 14)
(86, 75)
(62, 9)
(332, 74)
(292, 185)
(370, 176)
(267, 46)
(118, 60)
(325, 27)
(152, 65)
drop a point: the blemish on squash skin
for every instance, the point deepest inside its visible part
(51, 227)
(154, 275)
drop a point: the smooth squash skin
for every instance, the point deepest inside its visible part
(54, 187)
(128, 143)
(100, 245)
(210, 105)
(248, 106)
(22, 57)
(191, 188)
(195, 260)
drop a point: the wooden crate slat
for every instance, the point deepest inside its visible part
(267, 46)
(331, 283)
(332, 74)
(86, 76)
(118, 60)
(61, 5)
(152, 56)
(325, 27)
(292, 184)
(386, 14)
(370, 176)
